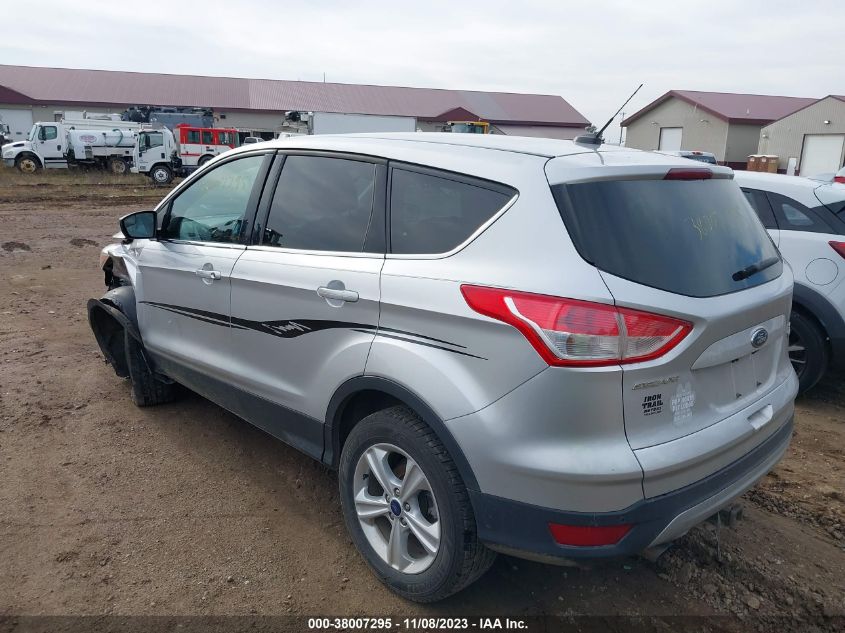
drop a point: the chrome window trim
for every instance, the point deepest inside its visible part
(197, 243)
(296, 251)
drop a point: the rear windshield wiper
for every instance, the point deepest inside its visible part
(753, 269)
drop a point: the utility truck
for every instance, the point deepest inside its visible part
(162, 154)
(100, 141)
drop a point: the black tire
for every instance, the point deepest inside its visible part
(147, 390)
(808, 350)
(118, 166)
(28, 164)
(161, 175)
(203, 160)
(462, 558)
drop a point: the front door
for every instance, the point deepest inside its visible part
(305, 301)
(49, 144)
(183, 284)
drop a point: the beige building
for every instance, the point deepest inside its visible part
(810, 141)
(726, 124)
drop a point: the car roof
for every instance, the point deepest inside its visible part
(806, 190)
(432, 148)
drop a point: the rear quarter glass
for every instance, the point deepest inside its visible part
(685, 237)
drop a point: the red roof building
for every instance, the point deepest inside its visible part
(258, 103)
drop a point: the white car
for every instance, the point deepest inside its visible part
(806, 219)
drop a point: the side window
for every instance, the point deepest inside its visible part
(794, 216)
(224, 138)
(50, 132)
(213, 208)
(760, 204)
(155, 139)
(193, 136)
(208, 137)
(432, 214)
(321, 204)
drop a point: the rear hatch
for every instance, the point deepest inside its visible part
(688, 247)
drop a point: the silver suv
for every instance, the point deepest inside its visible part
(529, 346)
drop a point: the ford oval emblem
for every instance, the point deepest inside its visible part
(759, 337)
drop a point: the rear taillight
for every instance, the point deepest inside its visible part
(839, 247)
(688, 173)
(568, 332)
(839, 179)
(588, 535)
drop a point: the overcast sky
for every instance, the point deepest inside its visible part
(591, 53)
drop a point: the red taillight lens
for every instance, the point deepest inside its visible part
(688, 173)
(568, 332)
(839, 247)
(839, 179)
(588, 535)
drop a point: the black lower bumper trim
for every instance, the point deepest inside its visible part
(524, 527)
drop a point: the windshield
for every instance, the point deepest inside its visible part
(686, 237)
(32, 133)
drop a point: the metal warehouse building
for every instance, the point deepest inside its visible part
(726, 124)
(257, 106)
(810, 141)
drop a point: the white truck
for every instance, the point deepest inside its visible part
(99, 141)
(163, 154)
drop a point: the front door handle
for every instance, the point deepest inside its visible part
(337, 294)
(209, 274)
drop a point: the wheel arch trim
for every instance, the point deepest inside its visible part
(344, 394)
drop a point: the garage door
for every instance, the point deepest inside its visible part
(19, 122)
(670, 139)
(822, 153)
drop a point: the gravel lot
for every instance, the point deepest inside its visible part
(185, 509)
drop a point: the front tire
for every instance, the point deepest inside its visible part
(147, 388)
(203, 160)
(407, 509)
(808, 351)
(27, 164)
(161, 175)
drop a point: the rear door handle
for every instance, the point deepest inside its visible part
(337, 294)
(209, 274)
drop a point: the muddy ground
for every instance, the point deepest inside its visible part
(186, 510)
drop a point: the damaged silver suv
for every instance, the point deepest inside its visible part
(551, 349)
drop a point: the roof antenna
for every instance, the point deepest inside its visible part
(595, 137)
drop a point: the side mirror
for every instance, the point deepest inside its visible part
(42, 135)
(139, 226)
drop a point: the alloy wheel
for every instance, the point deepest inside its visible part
(396, 508)
(797, 350)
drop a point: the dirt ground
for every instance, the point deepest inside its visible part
(186, 510)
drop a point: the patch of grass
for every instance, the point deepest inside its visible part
(9, 176)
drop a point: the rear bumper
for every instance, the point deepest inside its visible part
(522, 529)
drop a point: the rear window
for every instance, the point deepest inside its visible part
(685, 237)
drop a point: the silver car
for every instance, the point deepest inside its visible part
(538, 347)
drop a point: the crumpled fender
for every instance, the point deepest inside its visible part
(112, 318)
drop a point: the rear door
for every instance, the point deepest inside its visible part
(183, 289)
(305, 297)
(676, 247)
